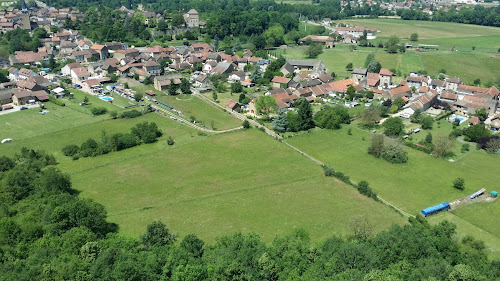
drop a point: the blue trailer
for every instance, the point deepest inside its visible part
(434, 209)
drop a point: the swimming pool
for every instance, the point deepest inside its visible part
(104, 98)
(454, 117)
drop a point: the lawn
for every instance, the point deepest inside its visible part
(425, 29)
(54, 141)
(30, 123)
(224, 184)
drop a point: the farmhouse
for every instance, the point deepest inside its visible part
(316, 67)
(359, 74)
(327, 41)
(162, 82)
(280, 82)
(403, 91)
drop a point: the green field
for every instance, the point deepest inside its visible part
(425, 29)
(29, 123)
(224, 184)
(422, 182)
(455, 55)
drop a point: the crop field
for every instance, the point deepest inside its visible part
(422, 182)
(224, 184)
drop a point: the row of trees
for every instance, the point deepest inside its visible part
(145, 132)
(67, 237)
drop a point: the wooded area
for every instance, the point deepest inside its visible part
(47, 232)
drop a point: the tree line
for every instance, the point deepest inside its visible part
(47, 232)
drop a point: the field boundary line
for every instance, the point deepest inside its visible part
(316, 161)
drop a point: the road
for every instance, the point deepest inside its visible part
(240, 116)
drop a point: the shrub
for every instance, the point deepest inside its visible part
(343, 177)
(465, 147)
(329, 171)
(98, 111)
(56, 101)
(130, 114)
(170, 141)
(70, 150)
(246, 124)
(365, 189)
(459, 183)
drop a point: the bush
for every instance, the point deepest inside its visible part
(70, 150)
(343, 177)
(465, 147)
(147, 132)
(98, 111)
(170, 141)
(329, 171)
(459, 183)
(246, 124)
(365, 189)
(56, 101)
(130, 114)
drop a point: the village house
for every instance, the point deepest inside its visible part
(280, 82)
(152, 67)
(161, 83)
(327, 41)
(233, 105)
(425, 101)
(129, 53)
(201, 81)
(236, 76)
(359, 74)
(102, 51)
(66, 70)
(402, 91)
(23, 97)
(452, 84)
(79, 74)
(316, 67)
(417, 81)
(385, 77)
(192, 18)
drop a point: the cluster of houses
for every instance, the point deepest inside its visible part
(427, 6)
(421, 92)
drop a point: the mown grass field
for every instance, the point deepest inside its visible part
(422, 182)
(455, 55)
(30, 123)
(211, 117)
(425, 29)
(243, 181)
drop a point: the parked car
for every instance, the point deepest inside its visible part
(23, 108)
(416, 130)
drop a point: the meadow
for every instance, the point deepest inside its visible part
(224, 184)
(422, 182)
(213, 118)
(456, 54)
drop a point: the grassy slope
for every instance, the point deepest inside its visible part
(192, 106)
(225, 184)
(425, 29)
(29, 123)
(422, 182)
(464, 62)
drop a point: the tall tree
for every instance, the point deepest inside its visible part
(305, 114)
(280, 122)
(185, 86)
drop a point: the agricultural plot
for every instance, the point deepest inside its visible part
(242, 181)
(422, 182)
(425, 29)
(213, 118)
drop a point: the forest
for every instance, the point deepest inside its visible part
(48, 232)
